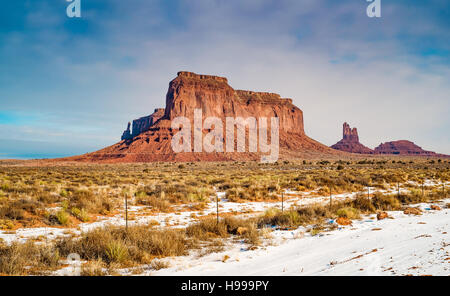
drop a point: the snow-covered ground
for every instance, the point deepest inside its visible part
(183, 216)
(416, 245)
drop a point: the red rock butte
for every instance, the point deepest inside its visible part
(150, 137)
(402, 147)
(350, 142)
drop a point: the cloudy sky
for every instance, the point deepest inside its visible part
(69, 86)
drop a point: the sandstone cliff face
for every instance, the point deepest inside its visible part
(402, 147)
(127, 133)
(216, 98)
(350, 142)
(142, 124)
(151, 137)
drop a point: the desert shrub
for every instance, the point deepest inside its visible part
(116, 252)
(93, 268)
(63, 217)
(348, 212)
(6, 224)
(198, 206)
(199, 195)
(305, 181)
(236, 194)
(117, 245)
(386, 202)
(224, 185)
(47, 198)
(300, 188)
(324, 190)
(48, 257)
(413, 196)
(11, 212)
(316, 229)
(15, 209)
(209, 228)
(294, 218)
(14, 259)
(64, 193)
(27, 258)
(29, 205)
(159, 243)
(156, 203)
(81, 215)
(313, 214)
(90, 201)
(362, 203)
(275, 217)
(65, 205)
(91, 245)
(159, 264)
(271, 212)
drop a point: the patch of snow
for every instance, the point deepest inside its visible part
(417, 245)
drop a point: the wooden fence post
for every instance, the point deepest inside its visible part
(331, 199)
(217, 207)
(422, 189)
(126, 212)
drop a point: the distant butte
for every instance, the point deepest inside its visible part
(350, 142)
(402, 147)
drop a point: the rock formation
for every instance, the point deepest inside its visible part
(402, 147)
(350, 142)
(127, 133)
(143, 124)
(350, 134)
(151, 137)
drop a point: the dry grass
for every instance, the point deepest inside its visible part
(208, 229)
(110, 248)
(138, 245)
(351, 209)
(348, 212)
(94, 268)
(159, 204)
(159, 264)
(27, 258)
(77, 193)
(294, 218)
(84, 191)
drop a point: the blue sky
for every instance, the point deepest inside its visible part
(69, 86)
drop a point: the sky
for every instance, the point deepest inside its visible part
(70, 85)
